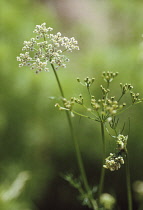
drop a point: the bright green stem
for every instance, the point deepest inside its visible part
(129, 194)
(100, 189)
(76, 146)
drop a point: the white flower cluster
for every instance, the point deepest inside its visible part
(50, 50)
(122, 142)
(113, 162)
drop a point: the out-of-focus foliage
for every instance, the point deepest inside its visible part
(9, 193)
(34, 136)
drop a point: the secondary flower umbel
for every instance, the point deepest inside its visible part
(113, 162)
(46, 48)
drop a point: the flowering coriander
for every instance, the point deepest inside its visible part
(46, 48)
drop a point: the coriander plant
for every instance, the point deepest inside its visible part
(106, 111)
(47, 50)
(42, 52)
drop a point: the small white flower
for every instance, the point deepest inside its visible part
(109, 119)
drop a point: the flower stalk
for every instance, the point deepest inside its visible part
(102, 176)
(76, 146)
(129, 194)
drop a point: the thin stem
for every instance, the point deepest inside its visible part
(92, 113)
(58, 81)
(124, 110)
(129, 195)
(89, 91)
(81, 115)
(120, 97)
(76, 146)
(103, 169)
(108, 83)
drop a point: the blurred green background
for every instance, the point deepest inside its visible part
(35, 144)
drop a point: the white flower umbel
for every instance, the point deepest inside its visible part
(46, 48)
(113, 162)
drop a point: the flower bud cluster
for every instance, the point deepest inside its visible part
(104, 91)
(125, 88)
(78, 100)
(96, 105)
(87, 81)
(109, 107)
(68, 104)
(135, 98)
(104, 109)
(113, 162)
(109, 76)
(38, 53)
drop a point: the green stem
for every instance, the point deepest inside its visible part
(89, 92)
(58, 81)
(129, 195)
(81, 115)
(101, 182)
(120, 97)
(123, 110)
(76, 146)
